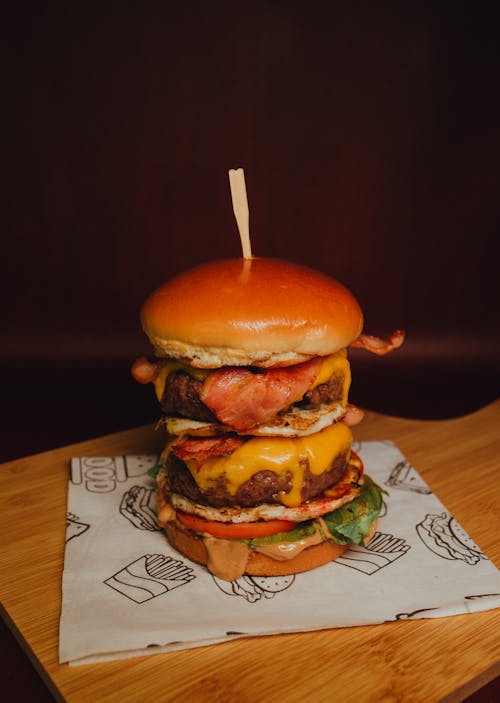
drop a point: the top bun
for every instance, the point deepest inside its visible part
(242, 312)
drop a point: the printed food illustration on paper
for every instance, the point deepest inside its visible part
(405, 478)
(150, 576)
(102, 474)
(74, 526)
(253, 588)
(138, 505)
(381, 551)
(445, 537)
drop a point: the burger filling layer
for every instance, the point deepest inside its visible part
(350, 520)
(332, 498)
(262, 487)
(256, 470)
(243, 398)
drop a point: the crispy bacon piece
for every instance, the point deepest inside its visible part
(144, 371)
(353, 415)
(242, 399)
(200, 450)
(380, 346)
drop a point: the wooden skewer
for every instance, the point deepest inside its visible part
(240, 208)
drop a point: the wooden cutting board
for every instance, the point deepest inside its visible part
(421, 660)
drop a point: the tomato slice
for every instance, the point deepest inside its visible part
(238, 530)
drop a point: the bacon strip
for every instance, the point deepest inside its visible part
(353, 415)
(200, 450)
(143, 370)
(242, 399)
(379, 346)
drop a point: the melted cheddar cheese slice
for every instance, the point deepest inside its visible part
(278, 454)
(335, 365)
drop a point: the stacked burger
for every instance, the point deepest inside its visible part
(251, 372)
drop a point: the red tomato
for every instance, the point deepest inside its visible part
(239, 530)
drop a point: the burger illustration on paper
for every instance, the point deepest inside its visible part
(251, 372)
(138, 505)
(445, 537)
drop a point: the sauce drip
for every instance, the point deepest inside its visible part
(283, 551)
(227, 559)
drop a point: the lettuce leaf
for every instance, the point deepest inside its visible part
(154, 471)
(352, 522)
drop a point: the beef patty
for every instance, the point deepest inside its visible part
(181, 397)
(262, 487)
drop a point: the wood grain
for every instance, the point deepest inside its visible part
(423, 660)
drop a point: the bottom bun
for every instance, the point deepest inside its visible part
(310, 558)
(258, 564)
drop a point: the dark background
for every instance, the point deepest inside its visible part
(369, 137)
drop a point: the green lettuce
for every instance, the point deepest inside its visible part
(154, 471)
(352, 522)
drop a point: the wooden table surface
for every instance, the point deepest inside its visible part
(421, 660)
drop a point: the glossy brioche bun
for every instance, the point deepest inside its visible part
(258, 564)
(262, 312)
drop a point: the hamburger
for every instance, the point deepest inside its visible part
(251, 372)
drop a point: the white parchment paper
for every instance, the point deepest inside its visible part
(127, 593)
